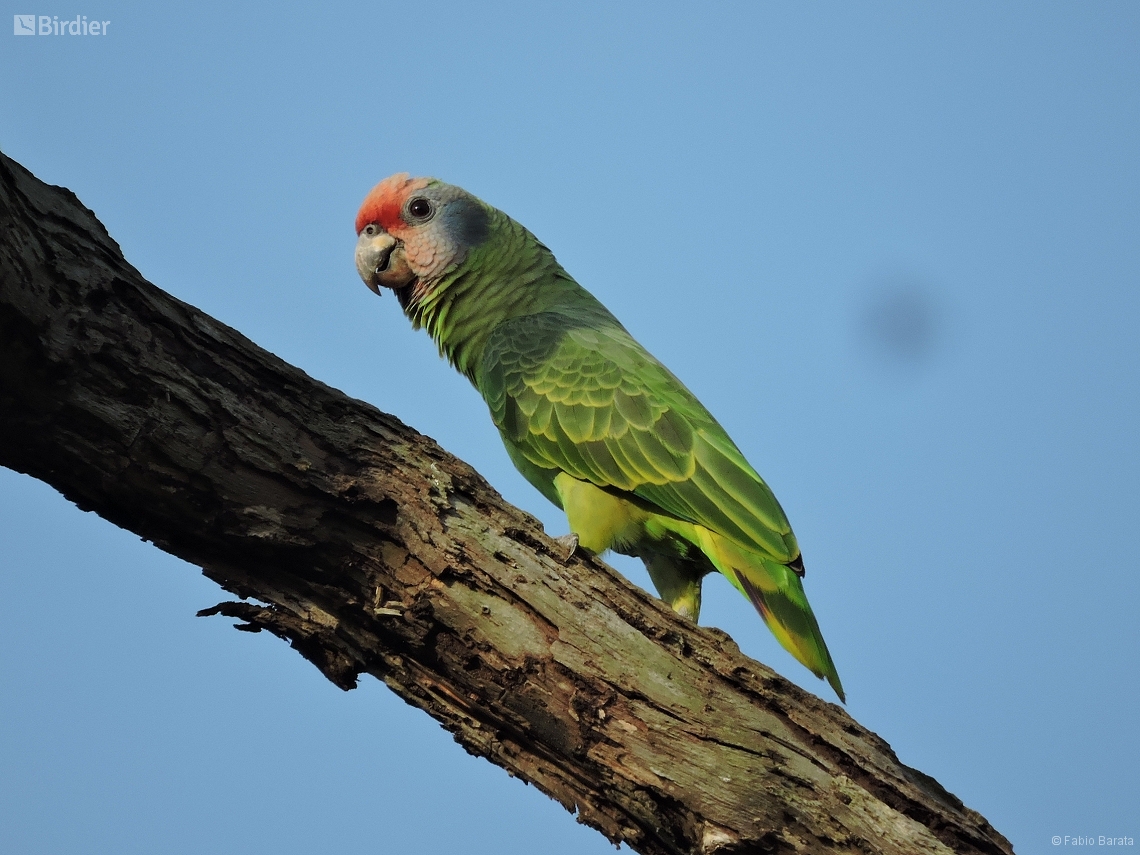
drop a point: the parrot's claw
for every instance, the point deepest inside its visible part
(569, 542)
(687, 611)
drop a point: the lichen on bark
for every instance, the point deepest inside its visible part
(371, 550)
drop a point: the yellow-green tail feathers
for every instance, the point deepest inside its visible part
(786, 611)
(778, 594)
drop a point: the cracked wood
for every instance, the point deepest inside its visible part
(373, 551)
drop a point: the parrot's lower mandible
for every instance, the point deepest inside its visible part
(588, 416)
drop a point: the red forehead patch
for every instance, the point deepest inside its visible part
(384, 202)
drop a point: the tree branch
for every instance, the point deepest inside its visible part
(371, 550)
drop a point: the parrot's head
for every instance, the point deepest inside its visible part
(411, 231)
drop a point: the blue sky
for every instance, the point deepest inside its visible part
(893, 247)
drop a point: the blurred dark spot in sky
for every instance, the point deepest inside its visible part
(900, 321)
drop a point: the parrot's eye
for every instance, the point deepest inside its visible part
(371, 230)
(420, 208)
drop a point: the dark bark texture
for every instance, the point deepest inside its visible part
(371, 550)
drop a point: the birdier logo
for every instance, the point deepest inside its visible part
(51, 25)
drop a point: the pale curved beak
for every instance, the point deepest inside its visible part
(381, 262)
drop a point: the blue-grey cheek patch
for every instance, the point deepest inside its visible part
(468, 222)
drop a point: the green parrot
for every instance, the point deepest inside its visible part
(588, 416)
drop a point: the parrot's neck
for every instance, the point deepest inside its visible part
(509, 277)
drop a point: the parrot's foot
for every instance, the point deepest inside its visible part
(569, 542)
(687, 609)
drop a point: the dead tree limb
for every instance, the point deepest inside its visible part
(371, 550)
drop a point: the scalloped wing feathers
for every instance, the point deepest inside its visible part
(592, 402)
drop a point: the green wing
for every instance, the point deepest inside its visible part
(572, 396)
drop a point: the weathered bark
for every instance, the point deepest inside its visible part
(370, 549)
